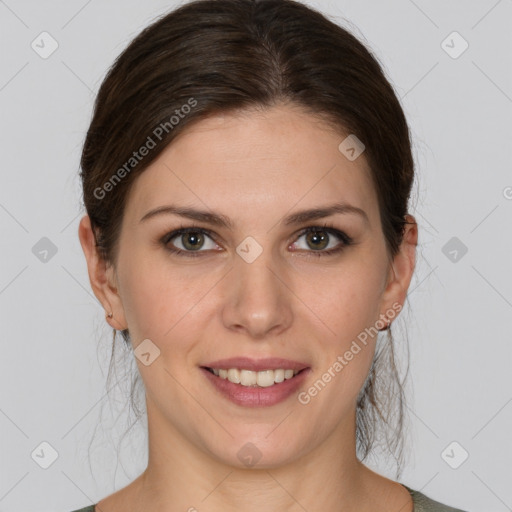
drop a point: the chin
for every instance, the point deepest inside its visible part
(257, 452)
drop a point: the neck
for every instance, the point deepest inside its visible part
(181, 476)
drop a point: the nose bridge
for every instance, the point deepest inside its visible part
(258, 275)
(258, 300)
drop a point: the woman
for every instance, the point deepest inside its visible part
(246, 177)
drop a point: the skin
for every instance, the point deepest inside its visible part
(256, 168)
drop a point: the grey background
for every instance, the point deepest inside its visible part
(56, 345)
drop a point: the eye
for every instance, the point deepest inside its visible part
(191, 239)
(188, 241)
(319, 238)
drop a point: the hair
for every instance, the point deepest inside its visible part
(227, 56)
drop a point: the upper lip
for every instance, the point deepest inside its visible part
(257, 365)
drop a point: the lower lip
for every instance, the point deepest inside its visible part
(257, 396)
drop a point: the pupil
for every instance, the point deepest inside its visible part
(195, 238)
(322, 238)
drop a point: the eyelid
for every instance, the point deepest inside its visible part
(329, 228)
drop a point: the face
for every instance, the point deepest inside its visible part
(257, 285)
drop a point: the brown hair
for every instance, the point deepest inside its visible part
(211, 56)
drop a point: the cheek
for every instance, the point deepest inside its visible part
(348, 308)
(346, 300)
(161, 300)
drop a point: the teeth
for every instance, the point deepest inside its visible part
(248, 378)
(279, 375)
(262, 379)
(233, 374)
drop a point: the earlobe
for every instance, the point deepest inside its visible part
(101, 276)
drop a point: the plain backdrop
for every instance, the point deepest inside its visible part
(450, 64)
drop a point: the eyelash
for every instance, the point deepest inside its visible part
(345, 240)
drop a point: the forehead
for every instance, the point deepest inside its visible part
(260, 161)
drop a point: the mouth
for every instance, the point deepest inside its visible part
(256, 382)
(255, 379)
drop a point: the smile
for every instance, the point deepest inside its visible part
(250, 388)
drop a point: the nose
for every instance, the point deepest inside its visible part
(257, 300)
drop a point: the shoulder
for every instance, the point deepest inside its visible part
(423, 503)
(90, 508)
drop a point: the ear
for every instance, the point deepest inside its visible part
(102, 276)
(401, 270)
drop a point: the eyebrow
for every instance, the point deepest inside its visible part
(220, 220)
